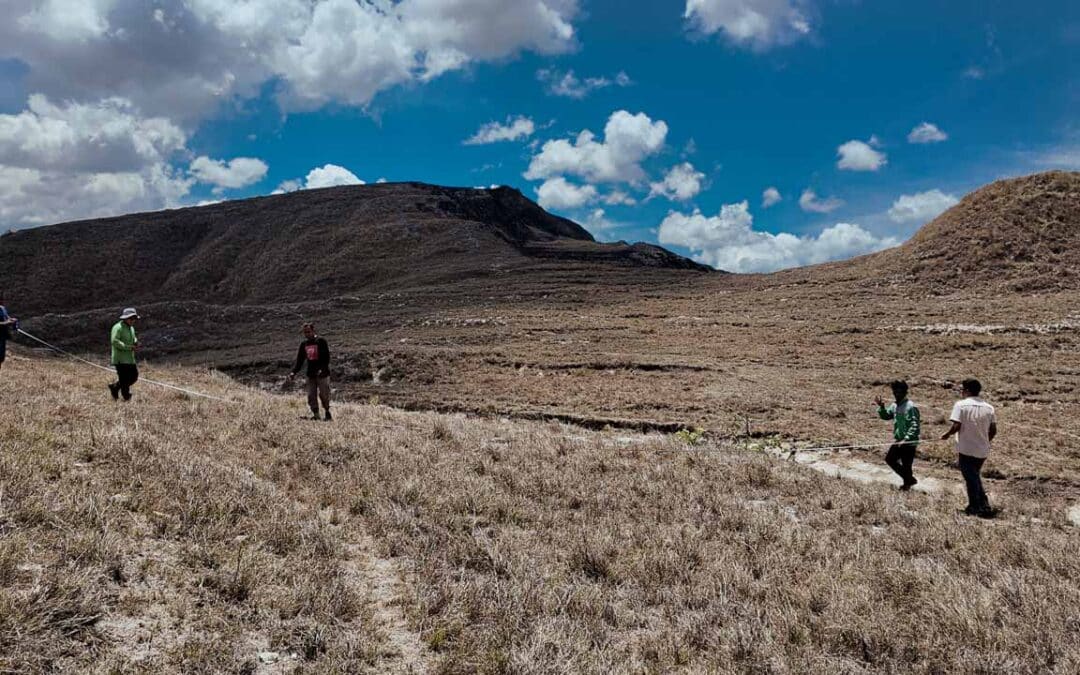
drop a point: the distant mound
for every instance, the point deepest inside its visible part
(1021, 234)
(306, 245)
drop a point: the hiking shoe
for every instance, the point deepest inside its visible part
(315, 416)
(988, 513)
(115, 391)
(908, 485)
(328, 417)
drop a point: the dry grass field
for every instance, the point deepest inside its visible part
(793, 355)
(988, 289)
(176, 534)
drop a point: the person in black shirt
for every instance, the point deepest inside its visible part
(316, 352)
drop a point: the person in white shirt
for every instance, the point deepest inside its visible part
(975, 426)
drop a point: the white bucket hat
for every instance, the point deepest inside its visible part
(129, 313)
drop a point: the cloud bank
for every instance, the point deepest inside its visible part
(728, 241)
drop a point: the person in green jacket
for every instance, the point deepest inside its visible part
(124, 345)
(906, 427)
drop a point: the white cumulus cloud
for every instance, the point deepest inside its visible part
(328, 175)
(494, 132)
(927, 133)
(312, 51)
(30, 197)
(680, 183)
(921, 207)
(860, 156)
(628, 139)
(809, 201)
(770, 197)
(728, 241)
(76, 160)
(236, 173)
(559, 193)
(107, 135)
(757, 24)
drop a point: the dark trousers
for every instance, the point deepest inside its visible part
(127, 374)
(900, 458)
(318, 389)
(971, 468)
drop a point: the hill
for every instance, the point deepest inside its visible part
(1020, 234)
(302, 246)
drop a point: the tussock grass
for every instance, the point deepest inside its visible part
(136, 537)
(184, 535)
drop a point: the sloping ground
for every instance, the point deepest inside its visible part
(306, 245)
(141, 539)
(1019, 235)
(179, 534)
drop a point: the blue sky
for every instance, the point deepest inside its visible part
(111, 106)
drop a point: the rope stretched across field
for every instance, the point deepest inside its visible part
(821, 448)
(165, 385)
(866, 446)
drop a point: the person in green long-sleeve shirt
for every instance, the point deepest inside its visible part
(906, 427)
(124, 344)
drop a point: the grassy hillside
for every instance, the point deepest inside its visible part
(178, 534)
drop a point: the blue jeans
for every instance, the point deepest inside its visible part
(971, 468)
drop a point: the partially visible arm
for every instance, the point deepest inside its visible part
(954, 430)
(884, 413)
(324, 358)
(299, 359)
(993, 430)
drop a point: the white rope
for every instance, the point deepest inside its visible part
(824, 448)
(864, 446)
(166, 385)
(155, 382)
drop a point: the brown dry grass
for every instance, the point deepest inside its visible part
(794, 355)
(174, 535)
(136, 538)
